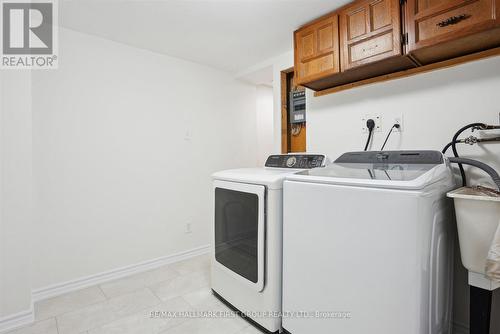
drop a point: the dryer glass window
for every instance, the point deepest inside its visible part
(236, 231)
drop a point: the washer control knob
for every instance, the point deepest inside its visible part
(290, 162)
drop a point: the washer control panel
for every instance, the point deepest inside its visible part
(392, 157)
(300, 161)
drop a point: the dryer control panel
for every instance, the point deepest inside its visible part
(300, 161)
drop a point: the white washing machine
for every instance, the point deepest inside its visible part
(247, 250)
(368, 245)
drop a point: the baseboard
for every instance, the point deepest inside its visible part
(14, 321)
(460, 328)
(84, 282)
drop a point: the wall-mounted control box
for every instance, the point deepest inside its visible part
(297, 112)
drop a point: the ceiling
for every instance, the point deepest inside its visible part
(231, 35)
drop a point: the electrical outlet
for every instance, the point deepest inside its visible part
(188, 228)
(398, 120)
(187, 136)
(378, 122)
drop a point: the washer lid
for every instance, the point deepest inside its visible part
(271, 177)
(399, 170)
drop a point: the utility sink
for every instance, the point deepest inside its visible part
(478, 216)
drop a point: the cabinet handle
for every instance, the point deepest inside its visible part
(371, 48)
(453, 20)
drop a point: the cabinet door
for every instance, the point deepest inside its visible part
(431, 22)
(369, 31)
(317, 50)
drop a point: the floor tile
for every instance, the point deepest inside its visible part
(125, 305)
(201, 298)
(47, 326)
(136, 282)
(143, 323)
(209, 326)
(68, 302)
(250, 330)
(198, 263)
(99, 314)
(225, 321)
(181, 285)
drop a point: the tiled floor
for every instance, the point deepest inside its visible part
(125, 306)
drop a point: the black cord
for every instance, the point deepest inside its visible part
(454, 148)
(371, 174)
(387, 138)
(447, 147)
(369, 138)
(396, 125)
(370, 124)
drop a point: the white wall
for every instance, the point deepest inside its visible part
(265, 123)
(433, 106)
(125, 141)
(15, 193)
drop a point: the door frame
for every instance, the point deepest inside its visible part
(285, 128)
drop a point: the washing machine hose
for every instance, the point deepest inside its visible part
(491, 172)
(454, 147)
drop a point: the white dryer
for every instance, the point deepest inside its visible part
(247, 250)
(368, 245)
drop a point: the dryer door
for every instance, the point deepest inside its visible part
(240, 231)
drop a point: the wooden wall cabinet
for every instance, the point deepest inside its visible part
(371, 41)
(316, 50)
(370, 31)
(439, 30)
(367, 39)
